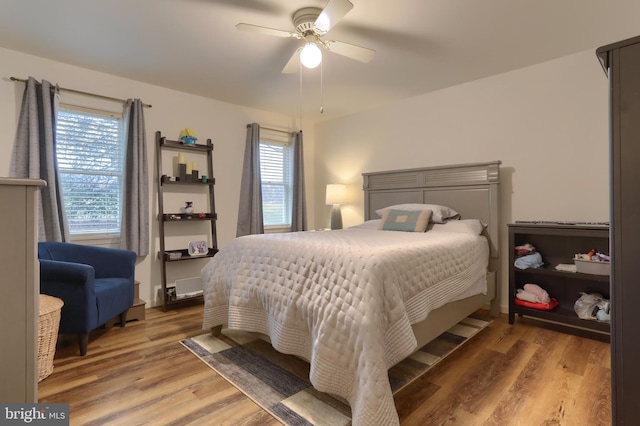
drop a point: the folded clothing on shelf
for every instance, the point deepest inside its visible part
(525, 250)
(553, 302)
(525, 295)
(529, 261)
(566, 267)
(534, 296)
(540, 294)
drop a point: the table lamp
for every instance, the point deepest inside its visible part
(336, 195)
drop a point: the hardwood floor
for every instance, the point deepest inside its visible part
(506, 375)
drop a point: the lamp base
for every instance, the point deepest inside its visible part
(336, 217)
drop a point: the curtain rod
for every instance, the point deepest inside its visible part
(273, 130)
(109, 98)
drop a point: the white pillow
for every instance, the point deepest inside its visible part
(440, 213)
(462, 226)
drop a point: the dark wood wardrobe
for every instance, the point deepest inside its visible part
(621, 62)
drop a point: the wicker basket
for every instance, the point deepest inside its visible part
(48, 324)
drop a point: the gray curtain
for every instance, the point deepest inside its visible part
(299, 208)
(134, 230)
(33, 155)
(250, 209)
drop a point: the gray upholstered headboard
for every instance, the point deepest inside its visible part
(470, 189)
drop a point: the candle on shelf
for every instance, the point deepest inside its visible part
(194, 171)
(189, 167)
(181, 159)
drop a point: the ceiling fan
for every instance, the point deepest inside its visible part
(311, 24)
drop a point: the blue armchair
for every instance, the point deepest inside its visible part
(96, 284)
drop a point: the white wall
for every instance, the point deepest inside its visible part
(171, 111)
(548, 124)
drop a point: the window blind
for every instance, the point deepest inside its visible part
(90, 154)
(276, 177)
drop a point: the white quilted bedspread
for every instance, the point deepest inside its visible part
(344, 300)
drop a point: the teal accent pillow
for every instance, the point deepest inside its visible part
(405, 220)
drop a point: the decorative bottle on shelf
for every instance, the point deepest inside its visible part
(188, 207)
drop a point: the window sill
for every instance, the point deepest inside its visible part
(276, 229)
(101, 240)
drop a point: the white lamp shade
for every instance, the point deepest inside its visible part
(336, 193)
(311, 55)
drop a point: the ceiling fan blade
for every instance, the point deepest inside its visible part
(294, 63)
(331, 14)
(266, 31)
(352, 51)
(264, 6)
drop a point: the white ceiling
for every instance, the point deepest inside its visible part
(422, 45)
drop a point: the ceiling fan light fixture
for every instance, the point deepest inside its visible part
(311, 55)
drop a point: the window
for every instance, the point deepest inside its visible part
(90, 152)
(276, 177)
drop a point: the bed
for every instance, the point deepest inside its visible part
(355, 302)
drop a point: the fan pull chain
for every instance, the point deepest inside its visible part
(300, 96)
(321, 90)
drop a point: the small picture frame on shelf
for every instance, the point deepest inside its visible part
(198, 248)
